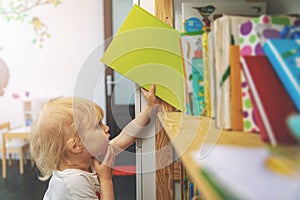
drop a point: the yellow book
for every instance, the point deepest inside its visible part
(146, 50)
(207, 92)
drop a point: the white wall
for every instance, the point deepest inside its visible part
(283, 6)
(76, 28)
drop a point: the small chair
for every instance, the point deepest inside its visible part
(19, 146)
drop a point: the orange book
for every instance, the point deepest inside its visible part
(235, 88)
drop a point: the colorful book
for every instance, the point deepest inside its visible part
(147, 50)
(192, 55)
(196, 15)
(284, 54)
(272, 102)
(250, 44)
(235, 88)
(198, 84)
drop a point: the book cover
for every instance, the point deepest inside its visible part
(198, 84)
(192, 55)
(250, 44)
(284, 54)
(147, 51)
(273, 104)
(258, 119)
(196, 15)
(235, 88)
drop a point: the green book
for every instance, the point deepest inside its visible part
(146, 50)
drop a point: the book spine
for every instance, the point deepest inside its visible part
(212, 87)
(235, 89)
(186, 82)
(207, 72)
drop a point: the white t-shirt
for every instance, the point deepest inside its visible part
(73, 184)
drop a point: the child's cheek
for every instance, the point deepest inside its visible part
(95, 142)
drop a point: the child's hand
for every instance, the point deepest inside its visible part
(150, 95)
(105, 169)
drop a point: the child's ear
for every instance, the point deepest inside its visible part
(74, 145)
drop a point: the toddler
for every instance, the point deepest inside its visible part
(68, 141)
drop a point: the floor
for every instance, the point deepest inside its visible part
(28, 187)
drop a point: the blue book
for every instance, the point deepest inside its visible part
(284, 54)
(198, 99)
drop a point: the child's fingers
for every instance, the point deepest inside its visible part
(96, 163)
(152, 89)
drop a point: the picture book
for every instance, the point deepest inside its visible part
(284, 54)
(196, 15)
(192, 55)
(272, 102)
(250, 44)
(147, 50)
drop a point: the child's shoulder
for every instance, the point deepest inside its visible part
(74, 178)
(73, 183)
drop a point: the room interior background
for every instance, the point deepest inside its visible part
(48, 67)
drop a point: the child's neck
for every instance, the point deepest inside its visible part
(80, 166)
(74, 162)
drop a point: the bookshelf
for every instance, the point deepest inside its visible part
(187, 134)
(177, 127)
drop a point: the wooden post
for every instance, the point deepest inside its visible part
(164, 11)
(164, 150)
(164, 160)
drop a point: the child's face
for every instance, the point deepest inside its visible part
(96, 140)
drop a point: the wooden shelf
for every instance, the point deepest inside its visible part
(187, 133)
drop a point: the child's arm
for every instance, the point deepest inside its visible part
(104, 172)
(134, 128)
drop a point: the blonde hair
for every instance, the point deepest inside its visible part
(59, 120)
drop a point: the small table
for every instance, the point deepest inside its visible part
(16, 133)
